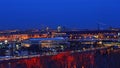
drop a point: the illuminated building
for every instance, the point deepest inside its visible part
(59, 28)
(119, 37)
(93, 34)
(46, 42)
(19, 36)
(47, 29)
(71, 35)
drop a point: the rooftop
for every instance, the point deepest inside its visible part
(39, 39)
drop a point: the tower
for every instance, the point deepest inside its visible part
(47, 29)
(119, 37)
(59, 28)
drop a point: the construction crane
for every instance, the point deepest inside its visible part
(100, 24)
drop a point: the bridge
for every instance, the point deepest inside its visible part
(88, 58)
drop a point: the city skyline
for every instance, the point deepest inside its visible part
(59, 34)
(83, 14)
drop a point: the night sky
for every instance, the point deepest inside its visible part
(82, 14)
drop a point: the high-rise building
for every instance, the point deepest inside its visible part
(47, 29)
(59, 28)
(118, 36)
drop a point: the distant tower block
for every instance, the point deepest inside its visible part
(47, 29)
(59, 28)
(119, 37)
